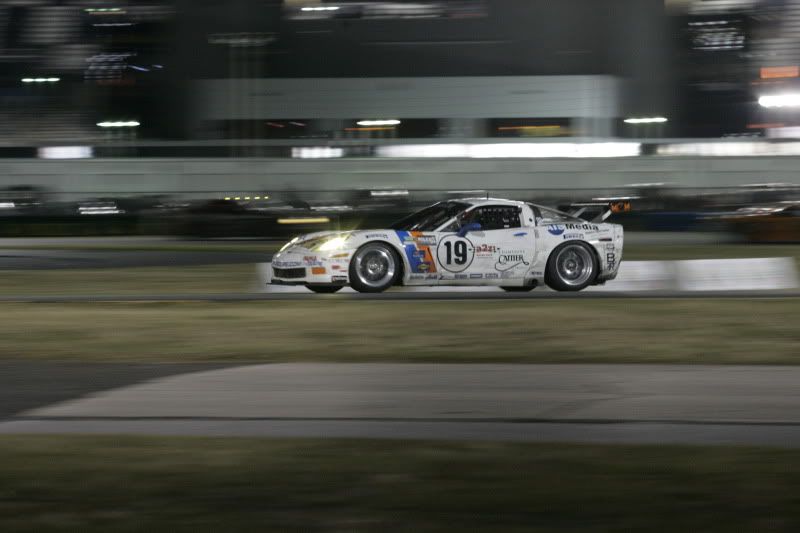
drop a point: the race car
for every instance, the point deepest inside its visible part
(475, 241)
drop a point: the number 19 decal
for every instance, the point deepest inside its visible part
(455, 253)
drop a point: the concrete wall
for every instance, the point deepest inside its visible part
(385, 98)
(216, 177)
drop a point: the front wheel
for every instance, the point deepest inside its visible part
(324, 289)
(374, 268)
(571, 267)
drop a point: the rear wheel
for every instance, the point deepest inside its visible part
(571, 267)
(374, 268)
(324, 289)
(526, 288)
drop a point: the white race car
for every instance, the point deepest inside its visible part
(510, 244)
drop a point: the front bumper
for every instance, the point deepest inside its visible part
(298, 266)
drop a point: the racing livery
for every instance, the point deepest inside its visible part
(510, 244)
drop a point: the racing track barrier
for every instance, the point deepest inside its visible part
(768, 273)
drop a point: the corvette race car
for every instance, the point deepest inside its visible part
(510, 244)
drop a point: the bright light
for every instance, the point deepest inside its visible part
(512, 150)
(780, 100)
(645, 120)
(320, 8)
(399, 192)
(64, 152)
(391, 122)
(735, 149)
(119, 124)
(306, 220)
(317, 152)
(40, 80)
(334, 244)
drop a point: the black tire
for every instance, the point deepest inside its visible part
(374, 267)
(526, 288)
(324, 289)
(571, 267)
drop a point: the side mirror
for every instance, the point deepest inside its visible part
(466, 228)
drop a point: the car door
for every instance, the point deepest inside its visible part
(501, 252)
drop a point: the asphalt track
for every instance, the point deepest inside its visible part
(678, 404)
(32, 259)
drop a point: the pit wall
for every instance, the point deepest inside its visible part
(218, 177)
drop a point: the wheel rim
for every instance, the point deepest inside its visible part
(375, 266)
(574, 265)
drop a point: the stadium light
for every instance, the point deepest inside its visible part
(780, 100)
(378, 122)
(118, 124)
(645, 120)
(40, 80)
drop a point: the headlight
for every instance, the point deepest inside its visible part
(288, 244)
(333, 244)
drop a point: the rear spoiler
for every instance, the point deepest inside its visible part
(606, 207)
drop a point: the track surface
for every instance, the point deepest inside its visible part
(60, 259)
(578, 403)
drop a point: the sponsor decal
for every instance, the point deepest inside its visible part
(508, 260)
(475, 276)
(485, 250)
(341, 256)
(507, 274)
(609, 246)
(415, 237)
(491, 276)
(338, 278)
(418, 252)
(569, 236)
(416, 276)
(286, 264)
(538, 273)
(376, 236)
(522, 234)
(558, 229)
(461, 276)
(336, 267)
(455, 253)
(585, 227)
(611, 259)
(312, 260)
(432, 276)
(318, 270)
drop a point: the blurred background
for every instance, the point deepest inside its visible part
(257, 118)
(156, 154)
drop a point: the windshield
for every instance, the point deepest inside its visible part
(431, 217)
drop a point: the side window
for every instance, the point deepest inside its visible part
(549, 216)
(492, 217)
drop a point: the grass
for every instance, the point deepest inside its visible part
(545, 331)
(110, 484)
